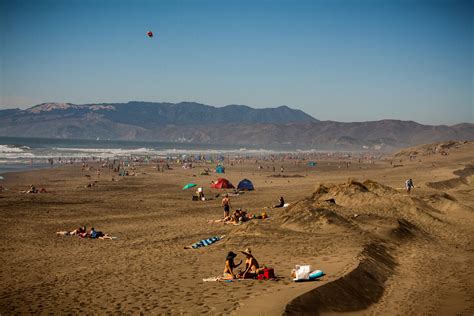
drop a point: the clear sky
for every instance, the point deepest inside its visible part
(343, 60)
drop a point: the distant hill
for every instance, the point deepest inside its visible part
(239, 125)
(153, 115)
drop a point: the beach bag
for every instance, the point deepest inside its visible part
(268, 273)
(302, 272)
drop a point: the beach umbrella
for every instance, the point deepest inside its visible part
(189, 185)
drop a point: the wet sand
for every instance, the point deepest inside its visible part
(383, 251)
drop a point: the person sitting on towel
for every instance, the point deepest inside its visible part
(281, 203)
(251, 265)
(230, 265)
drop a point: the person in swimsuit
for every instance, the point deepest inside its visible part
(251, 265)
(81, 232)
(230, 265)
(226, 205)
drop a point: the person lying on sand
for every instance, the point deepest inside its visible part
(95, 234)
(81, 232)
(230, 266)
(251, 266)
(32, 189)
(238, 217)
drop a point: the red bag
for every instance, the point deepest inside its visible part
(268, 273)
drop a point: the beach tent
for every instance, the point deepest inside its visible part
(245, 184)
(220, 169)
(189, 185)
(312, 164)
(222, 183)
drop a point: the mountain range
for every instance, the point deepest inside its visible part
(240, 125)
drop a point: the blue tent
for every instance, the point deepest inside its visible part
(220, 169)
(246, 184)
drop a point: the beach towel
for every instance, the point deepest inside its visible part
(212, 279)
(206, 242)
(223, 279)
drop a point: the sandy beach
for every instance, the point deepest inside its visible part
(384, 252)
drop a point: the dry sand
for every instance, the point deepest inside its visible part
(384, 252)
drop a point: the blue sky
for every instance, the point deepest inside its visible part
(343, 60)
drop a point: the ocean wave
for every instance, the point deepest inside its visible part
(10, 153)
(116, 151)
(13, 149)
(15, 161)
(161, 152)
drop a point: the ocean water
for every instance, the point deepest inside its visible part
(31, 153)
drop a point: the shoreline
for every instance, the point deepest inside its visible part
(18, 169)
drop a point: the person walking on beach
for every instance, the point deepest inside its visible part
(226, 205)
(409, 185)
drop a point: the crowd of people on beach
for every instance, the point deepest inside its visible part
(250, 267)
